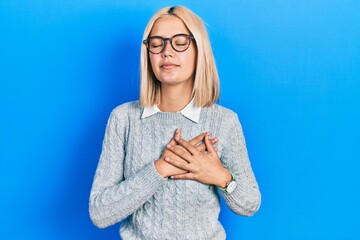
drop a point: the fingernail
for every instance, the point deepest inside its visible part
(167, 159)
(177, 138)
(168, 146)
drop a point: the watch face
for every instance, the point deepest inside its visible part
(231, 187)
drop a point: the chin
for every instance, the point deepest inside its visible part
(171, 81)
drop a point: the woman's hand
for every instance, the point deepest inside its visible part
(165, 169)
(202, 166)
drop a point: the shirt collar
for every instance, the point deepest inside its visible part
(190, 111)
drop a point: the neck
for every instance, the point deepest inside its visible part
(174, 98)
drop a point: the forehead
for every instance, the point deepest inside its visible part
(168, 26)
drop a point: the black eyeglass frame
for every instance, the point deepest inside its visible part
(146, 42)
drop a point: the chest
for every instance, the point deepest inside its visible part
(146, 140)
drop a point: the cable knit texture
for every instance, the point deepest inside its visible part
(127, 185)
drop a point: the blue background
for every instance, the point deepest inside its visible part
(290, 69)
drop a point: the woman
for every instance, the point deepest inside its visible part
(158, 168)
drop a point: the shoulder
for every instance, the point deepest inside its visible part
(127, 109)
(230, 124)
(122, 115)
(224, 110)
(225, 114)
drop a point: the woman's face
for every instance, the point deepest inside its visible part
(171, 67)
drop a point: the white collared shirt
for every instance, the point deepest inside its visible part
(190, 111)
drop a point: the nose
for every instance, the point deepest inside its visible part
(168, 51)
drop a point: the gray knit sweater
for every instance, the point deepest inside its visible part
(127, 185)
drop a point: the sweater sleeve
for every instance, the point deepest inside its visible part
(112, 197)
(245, 199)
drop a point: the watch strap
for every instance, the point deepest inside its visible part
(227, 184)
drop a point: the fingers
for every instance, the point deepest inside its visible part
(209, 147)
(188, 175)
(179, 164)
(202, 147)
(213, 140)
(177, 134)
(196, 140)
(187, 146)
(181, 152)
(176, 157)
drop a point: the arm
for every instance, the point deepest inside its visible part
(207, 168)
(112, 197)
(246, 198)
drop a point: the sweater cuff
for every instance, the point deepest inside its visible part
(149, 177)
(245, 199)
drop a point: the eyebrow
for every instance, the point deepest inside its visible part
(171, 36)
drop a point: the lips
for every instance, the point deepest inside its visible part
(168, 65)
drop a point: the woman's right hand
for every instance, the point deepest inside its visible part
(165, 169)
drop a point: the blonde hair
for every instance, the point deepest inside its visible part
(206, 88)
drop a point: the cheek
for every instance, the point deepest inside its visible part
(193, 56)
(191, 61)
(153, 61)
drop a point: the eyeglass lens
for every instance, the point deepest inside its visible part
(179, 43)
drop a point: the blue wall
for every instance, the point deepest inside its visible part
(290, 69)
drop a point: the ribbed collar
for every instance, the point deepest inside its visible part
(190, 111)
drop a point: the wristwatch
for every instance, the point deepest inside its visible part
(230, 185)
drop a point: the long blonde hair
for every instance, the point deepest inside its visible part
(206, 87)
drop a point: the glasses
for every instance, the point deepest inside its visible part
(179, 42)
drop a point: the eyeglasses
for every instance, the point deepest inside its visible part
(179, 42)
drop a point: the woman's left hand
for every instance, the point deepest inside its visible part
(202, 166)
